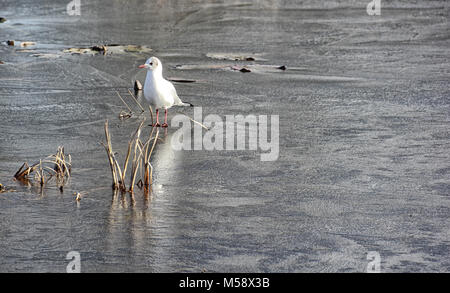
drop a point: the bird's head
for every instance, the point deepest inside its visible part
(151, 64)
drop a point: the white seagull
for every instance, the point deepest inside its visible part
(158, 91)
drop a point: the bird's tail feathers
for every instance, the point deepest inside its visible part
(185, 104)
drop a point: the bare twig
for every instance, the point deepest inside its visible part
(134, 139)
(134, 97)
(129, 109)
(148, 174)
(136, 163)
(194, 120)
(109, 152)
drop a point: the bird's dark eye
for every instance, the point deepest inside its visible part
(151, 63)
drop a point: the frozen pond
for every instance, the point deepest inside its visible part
(364, 136)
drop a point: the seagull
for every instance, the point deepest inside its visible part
(158, 91)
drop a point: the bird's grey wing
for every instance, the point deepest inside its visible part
(176, 99)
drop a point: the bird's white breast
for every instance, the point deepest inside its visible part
(156, 93)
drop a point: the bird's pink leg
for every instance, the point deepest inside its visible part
(165, 119)
(157, 119)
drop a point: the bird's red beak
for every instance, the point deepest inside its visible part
(142, 66)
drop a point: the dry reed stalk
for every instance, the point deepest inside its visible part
(125, 165)
(132, 200)
(116, 171)
(111, 159)
(140, 153)
(137, 102)
(137, 157)
(148, 174)
(136, 165)
(134, 140)
(194, 120)
(61, 168)
(62, 165)
(129, 109)
(39, 175)
(22, 174)
(147, 193)
(41, 171)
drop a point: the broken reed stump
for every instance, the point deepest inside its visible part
(4, 189)
(25, 170)
(138, 152)
(137, 85)
(57, 165)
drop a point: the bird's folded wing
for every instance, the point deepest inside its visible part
(173, 91)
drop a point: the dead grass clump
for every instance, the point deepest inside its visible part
(138, 153)
(56, 166)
